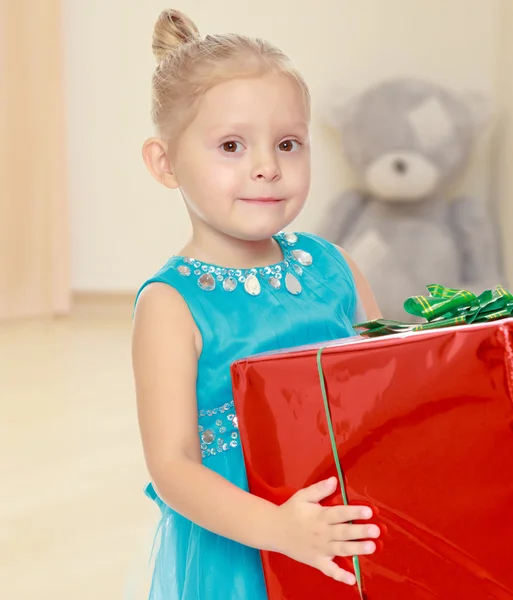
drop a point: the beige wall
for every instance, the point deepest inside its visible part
(505, 172)
(124, 224)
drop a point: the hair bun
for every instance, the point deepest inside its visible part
(172, 29)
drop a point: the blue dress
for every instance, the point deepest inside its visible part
(309, 297)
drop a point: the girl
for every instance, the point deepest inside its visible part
(232, 117)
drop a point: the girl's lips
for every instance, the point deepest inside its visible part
(263, 200)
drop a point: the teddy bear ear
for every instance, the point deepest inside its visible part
(338, 106)
(481, 109)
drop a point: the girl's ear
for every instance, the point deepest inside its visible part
(156, 158)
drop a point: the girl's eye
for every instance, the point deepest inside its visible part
(289, 146)
(232, 146)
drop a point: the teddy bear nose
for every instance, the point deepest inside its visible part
(400, 166)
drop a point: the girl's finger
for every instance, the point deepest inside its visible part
(344, 514)
(343, 533)
(351, 548)
(331, 569)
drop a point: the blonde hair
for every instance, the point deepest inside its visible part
(189, 65)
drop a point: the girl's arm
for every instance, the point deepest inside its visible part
(166, 347)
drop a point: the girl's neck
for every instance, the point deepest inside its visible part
(226, 251)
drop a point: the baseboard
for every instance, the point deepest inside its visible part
(102, 299)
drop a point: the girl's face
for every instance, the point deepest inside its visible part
(243, 164)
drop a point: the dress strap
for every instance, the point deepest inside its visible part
(338, 269)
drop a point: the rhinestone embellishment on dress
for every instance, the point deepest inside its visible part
(208, 436)
(252, 285)
(229, 284)
(292, 284)
(290, 238)
(220, 435)
(303, 257)
(207, 282)
(287, 272)
(275, 283)
(184, 270)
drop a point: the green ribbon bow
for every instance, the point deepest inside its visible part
(445, 307)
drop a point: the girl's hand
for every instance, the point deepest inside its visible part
(314, 535)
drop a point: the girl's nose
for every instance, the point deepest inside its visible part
(266, 168)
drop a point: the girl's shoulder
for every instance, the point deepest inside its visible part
(162, 302)
(167, 274)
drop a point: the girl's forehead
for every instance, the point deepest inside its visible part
(275, 97)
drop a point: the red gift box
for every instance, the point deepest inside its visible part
(424, 433)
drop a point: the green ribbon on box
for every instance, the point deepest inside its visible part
(445, 307)
(340, 473)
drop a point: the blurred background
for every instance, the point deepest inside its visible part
(82, 224)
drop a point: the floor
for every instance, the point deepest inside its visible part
(74, 523)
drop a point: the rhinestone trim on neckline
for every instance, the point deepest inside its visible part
(289, 270)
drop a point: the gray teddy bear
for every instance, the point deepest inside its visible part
(409, 142)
